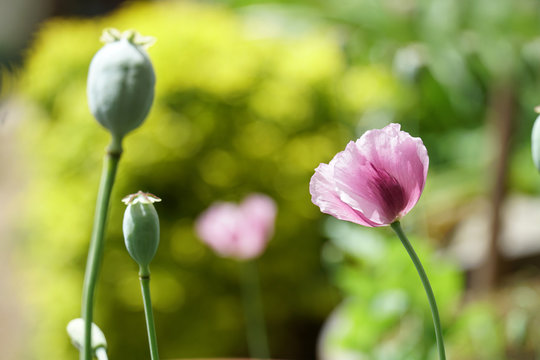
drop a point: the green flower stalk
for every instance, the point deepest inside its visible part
(141, 234)
(396, 226)
(253, 311)
(120, 92)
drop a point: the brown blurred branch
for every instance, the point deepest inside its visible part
(501, 116)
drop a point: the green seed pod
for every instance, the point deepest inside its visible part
(121, 82)
(141, 227)
(75, 330)
(535, 142)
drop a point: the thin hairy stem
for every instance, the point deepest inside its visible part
(144, 277)
(95, 252)
(396, 226)
(253, 312)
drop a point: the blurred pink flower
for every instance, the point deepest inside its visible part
(238, 231)
(375, 180)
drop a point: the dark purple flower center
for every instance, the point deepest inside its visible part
(389, 191)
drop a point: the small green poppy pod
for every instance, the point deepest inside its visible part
(141, 227)
(121, 82)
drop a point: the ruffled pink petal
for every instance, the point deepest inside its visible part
(240, 232)
(257, 226)
(251, 243)
(217, 227)
(377, 179)
(261, 212)
(355, 179)
(324, 194)
(399, 155)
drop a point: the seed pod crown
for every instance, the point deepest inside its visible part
(121, 82)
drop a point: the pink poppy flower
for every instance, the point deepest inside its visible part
(375, 181)
(238, 231)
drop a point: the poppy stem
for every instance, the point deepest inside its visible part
(396, 226)
(144, 277)
(253, 311)
(95, 252)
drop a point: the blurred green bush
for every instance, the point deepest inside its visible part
(385, 314)
(236, 110)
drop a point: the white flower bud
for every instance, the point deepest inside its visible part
(75, 330)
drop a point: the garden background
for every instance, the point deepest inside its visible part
(251, 96)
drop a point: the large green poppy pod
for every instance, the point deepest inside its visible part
(121, 82)
(535, 142)
(141, 227)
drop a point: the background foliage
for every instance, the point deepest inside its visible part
(235, 112)
(384, 314)
(252, 97)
